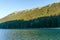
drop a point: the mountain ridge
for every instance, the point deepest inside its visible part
(29, 14)
(46, 17)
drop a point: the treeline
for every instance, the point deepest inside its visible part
(43, 22)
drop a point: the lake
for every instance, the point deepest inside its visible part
(29, 34)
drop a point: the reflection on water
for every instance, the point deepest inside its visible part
(27, 34)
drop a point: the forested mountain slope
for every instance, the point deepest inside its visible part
(45, 17)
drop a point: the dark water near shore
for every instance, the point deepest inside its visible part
(29, 34)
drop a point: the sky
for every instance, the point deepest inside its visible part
(9, 6)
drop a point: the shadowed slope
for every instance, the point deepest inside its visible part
(43, 22)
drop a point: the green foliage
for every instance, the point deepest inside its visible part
(43, 22)
(45, 17)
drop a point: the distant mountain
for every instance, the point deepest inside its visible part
(49, 14)
(49, 10)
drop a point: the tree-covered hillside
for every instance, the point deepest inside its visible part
(43, 22)
(45, 17)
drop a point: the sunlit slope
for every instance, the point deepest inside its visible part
(49, 10)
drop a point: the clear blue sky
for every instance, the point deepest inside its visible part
(9, 6)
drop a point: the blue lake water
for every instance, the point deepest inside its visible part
(29, 34)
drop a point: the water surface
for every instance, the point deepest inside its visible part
(29, 34)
